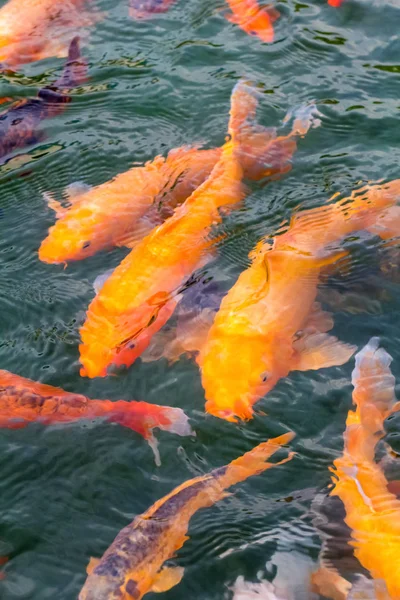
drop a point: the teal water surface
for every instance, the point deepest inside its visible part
(66, 491)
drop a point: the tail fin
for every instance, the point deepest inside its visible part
(244, 102)
(143, 417)
(304, 118)
(373, 380)
(254, 462)
(75, 70)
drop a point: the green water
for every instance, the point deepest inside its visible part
(66, 491)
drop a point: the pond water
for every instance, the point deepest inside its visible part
(66, 491)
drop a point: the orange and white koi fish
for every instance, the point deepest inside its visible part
(143, 9)
(20, 122)
(132, 566)
(253, 19)
(269, 323)
(143, 291)
(124, 210)
(372, 511)
(31, 30)
(23, 401)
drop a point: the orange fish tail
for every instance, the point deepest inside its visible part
(143, 417)
(254, 461)
(374, 386)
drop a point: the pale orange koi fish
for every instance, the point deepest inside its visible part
(31, 30)
(269, 323)
(133, 564)
(122, 211)
(23, 401)
(143, 291)
(253, 19)
(372, 511)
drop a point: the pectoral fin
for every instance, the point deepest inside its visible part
(319, 351)
(167, 578)
(318, 320)
(93, 562)
(329, 583)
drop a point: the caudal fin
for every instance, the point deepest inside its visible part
(255, 461)
(373, 380)
(143, 417)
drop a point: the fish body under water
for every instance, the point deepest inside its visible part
(253, 19)
(271, 313)
(122, 211)
(34, 30)
(143, 9)
(372, 511)
(131, 566)
(23, 401)
(141, 294)
(19, 123)
(143, 291)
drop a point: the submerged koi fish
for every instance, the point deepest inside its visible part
(269, 322)
(23, 401)
(142, 9)
(36, 29)
(335, 3)
(124, 210)
(143, 291)
(254, 20)
(372, 511)
(132, 566)
(19, 123)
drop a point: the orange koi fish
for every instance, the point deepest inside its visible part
(31, 30)
(269, 323)
(254, 20)
(23, 401)
(132, 566)
(19, 123)
(142, 9)
(143, 291)
(124, 210)
(335, 3)
(372, 511)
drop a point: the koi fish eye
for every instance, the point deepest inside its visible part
(86, 245)
(265, 376)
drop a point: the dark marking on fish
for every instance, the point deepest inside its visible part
(132, 589)
(113, 566)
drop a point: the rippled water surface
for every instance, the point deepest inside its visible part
(65, 491)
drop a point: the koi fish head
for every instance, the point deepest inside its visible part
(241, 374)
(75, 236)
(117, 340)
